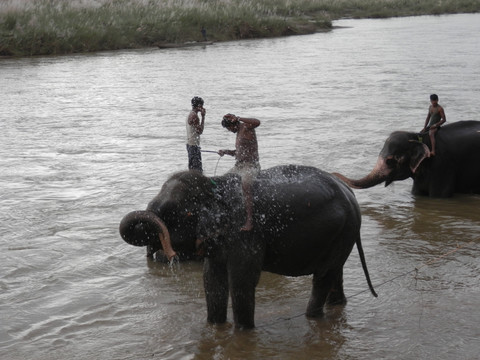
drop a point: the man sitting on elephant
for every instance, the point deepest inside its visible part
(246, 155)
(435, 118)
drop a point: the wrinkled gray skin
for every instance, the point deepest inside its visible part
(454, 169)
(306, 222)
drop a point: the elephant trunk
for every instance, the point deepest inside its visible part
(144, 228)
(378, 175)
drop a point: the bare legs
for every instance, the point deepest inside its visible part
(247, 172)
(248, 197)
(432, 133)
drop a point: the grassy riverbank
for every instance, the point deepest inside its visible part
(42, 27)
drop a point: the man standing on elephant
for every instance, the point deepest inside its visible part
(435, 118)
(247, 163)
(194, 130)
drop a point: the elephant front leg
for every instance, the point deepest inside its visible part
(245, 266)
(215, 282)
(243, 303)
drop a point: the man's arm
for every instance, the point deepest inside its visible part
(202, 123)
(227, 152)
(251, 123)
(443, 119)
(426, 120)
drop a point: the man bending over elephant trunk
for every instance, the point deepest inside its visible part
(247, 163)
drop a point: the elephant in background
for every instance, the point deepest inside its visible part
(454, 169)
(306, 221)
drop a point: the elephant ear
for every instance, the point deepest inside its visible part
(213, 226)
(420, 152)
(196, 187)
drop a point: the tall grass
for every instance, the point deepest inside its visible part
(38, 27)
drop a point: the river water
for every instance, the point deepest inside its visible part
(88, 138)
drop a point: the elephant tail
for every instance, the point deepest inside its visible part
(364, 266)
(145, 228)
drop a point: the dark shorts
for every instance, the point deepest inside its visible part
(194, 157)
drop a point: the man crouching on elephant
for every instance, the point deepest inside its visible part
(246, 155)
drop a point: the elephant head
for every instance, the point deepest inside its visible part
(171, 217)
(399, 159)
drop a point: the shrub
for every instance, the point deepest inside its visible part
(38, 27)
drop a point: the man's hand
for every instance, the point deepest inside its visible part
(226, 152)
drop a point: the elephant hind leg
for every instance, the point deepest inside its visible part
(326, 287)
(336, 296)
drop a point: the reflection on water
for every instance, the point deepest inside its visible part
(88, 138)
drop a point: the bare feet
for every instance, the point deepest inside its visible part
(247, 227)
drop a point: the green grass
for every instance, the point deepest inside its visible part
(41, 27)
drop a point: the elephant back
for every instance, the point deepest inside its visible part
(291, 192)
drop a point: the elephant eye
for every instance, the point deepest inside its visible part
(391, 162)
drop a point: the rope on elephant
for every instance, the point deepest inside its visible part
(416, 270)
(216, 166)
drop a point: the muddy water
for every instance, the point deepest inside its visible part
(88, 138)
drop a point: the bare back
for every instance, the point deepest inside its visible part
(246, 145)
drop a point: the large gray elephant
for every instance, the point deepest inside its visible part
(454, 169)
(306, 221)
